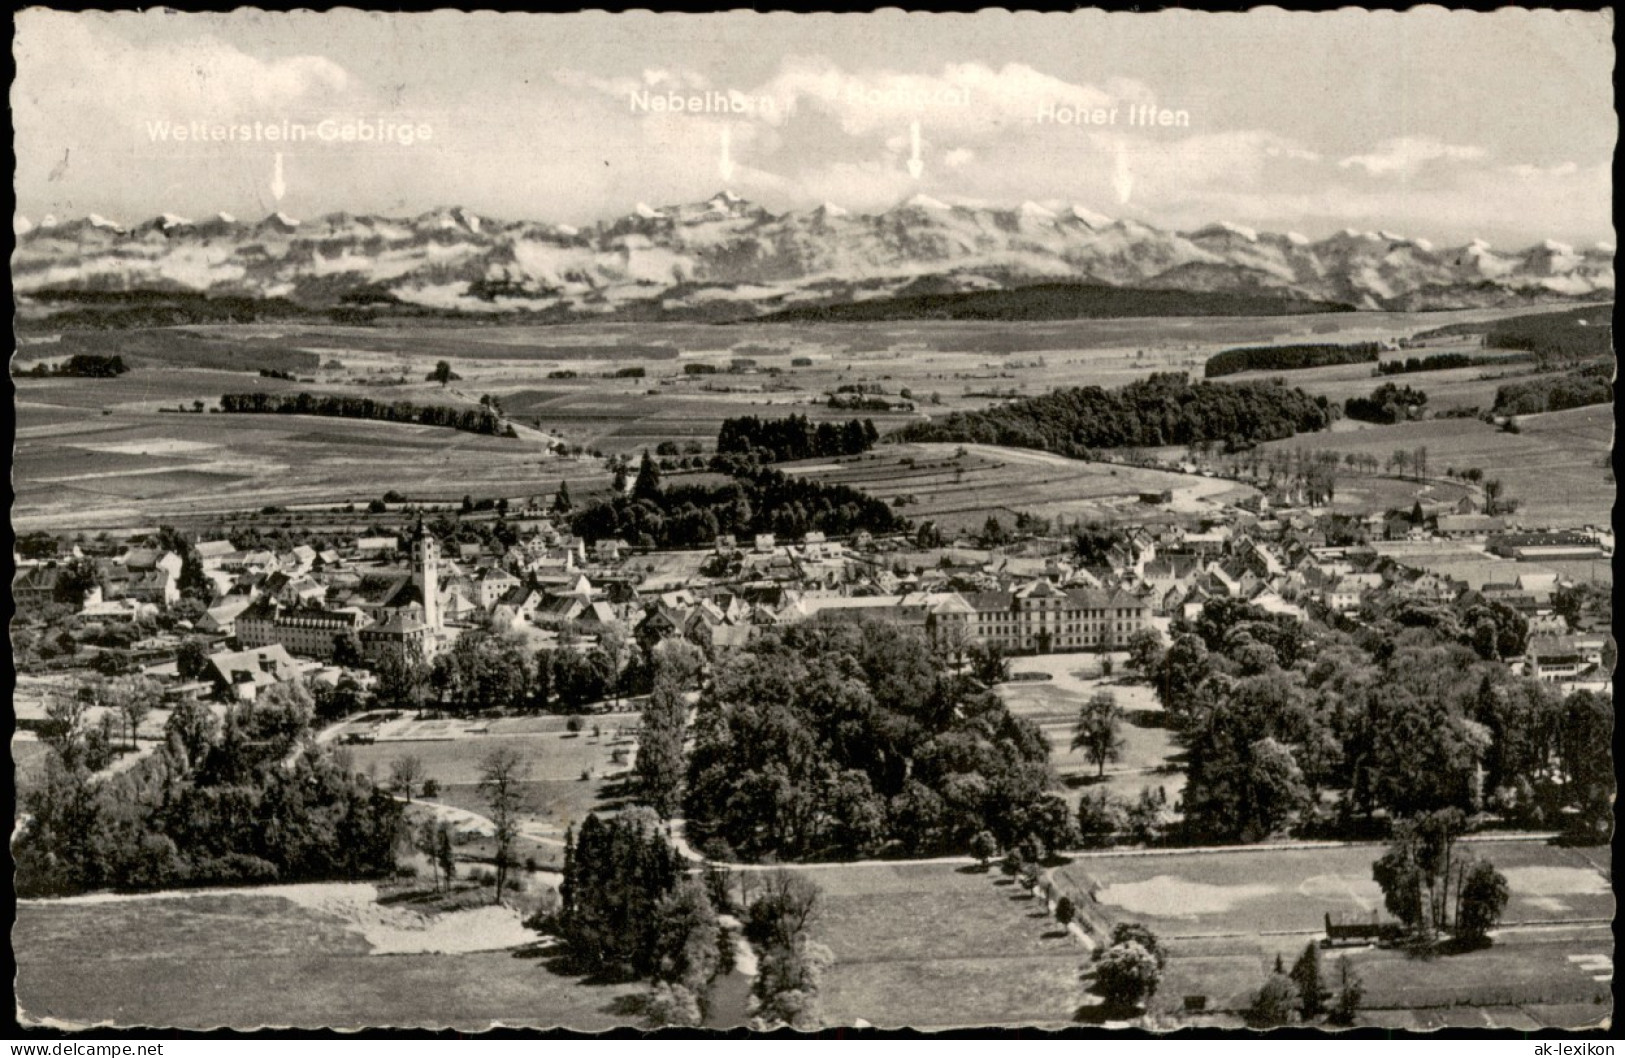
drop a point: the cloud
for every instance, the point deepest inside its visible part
(74, 65)
(959, 157)
(1406, 154)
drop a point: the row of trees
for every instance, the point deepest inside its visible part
(1288, 357)
(496, 669)
(776, 440)
(80, 365)
(1436, 362)
(1162, 409)
(481, 420)
(248, 800)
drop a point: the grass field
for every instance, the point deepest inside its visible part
(960, 493)
(203, 962)
(1150, 758)
(935, 947)
(259, 460)
(1555, 467)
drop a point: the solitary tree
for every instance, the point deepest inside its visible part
(1273, 1003)
(1349, 993)
(405, 774)
(1482, 897)
(1126, 976)
(1096, 732)
(1065, 911)
(501, 774)
(1306, 976)
(984, 846)
(444, 856)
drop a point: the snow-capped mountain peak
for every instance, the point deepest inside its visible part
(727, 251)
(1090, 217)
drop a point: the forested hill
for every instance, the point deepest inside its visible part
(1162, 409)
(1056, 301)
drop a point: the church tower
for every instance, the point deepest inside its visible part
(426, 573)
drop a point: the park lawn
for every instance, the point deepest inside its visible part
(558, 802)
(934, 945)
(551, 756)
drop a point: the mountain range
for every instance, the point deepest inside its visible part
(727, 257)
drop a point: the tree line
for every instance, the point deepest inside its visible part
(1413, 364)
(1161, 409)
(1592, 384)
(1288, 357)
(781, 440)
(481, 420)
(80, 365)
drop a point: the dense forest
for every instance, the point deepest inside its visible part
(1162, 409)
(836, 741)
(1288, 357)
(1388, 404)
(247, 801)
(1572, 334)
(755, 501)
(79, 365)
(1412, 364)
(1329, 733)
(780, 440)
(1055, 301)
(1592, 384)
(472, 420)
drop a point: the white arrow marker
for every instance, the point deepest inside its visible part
(279, 186)
(727, 165)
(1122, 179)
(915, 166)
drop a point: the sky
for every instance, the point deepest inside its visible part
(1429, 123)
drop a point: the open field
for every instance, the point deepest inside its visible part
(554, 796)
(959, 493)
(1216, 893)
(1227, 914)
(1555, 466)
(934, 946)
(205, 961)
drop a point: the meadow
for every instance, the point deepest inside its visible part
(1556, 466)
(203, 961)
(939, 366)
(938, 946)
